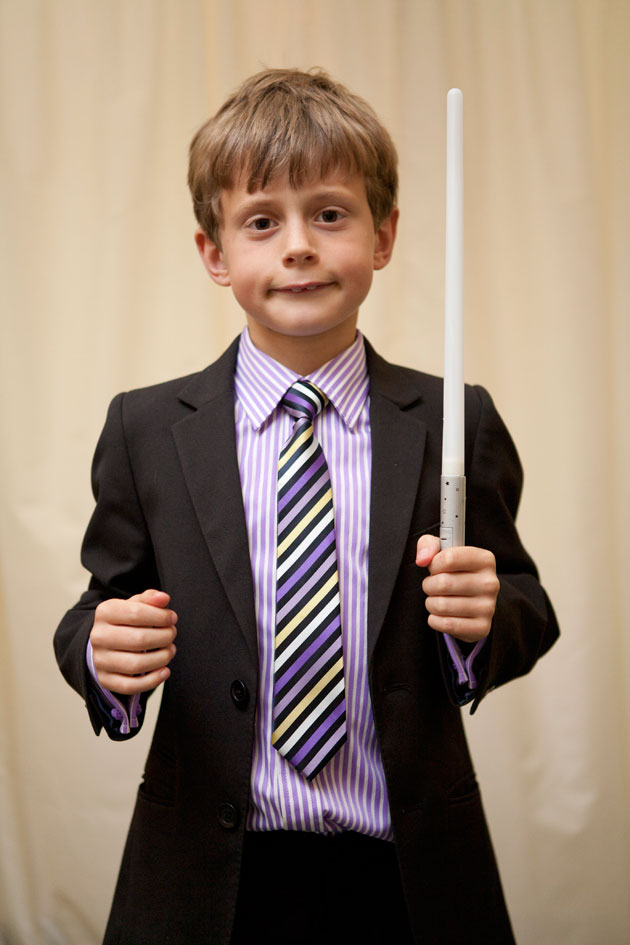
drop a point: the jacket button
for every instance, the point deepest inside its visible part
(239, 693)
(228, 816)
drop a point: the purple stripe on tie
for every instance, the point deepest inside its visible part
(321, 525)
(304, 398)
(299, 505)
(306, 475)
(304, 657)
(299, 406)
(305, 587)
(302, 683)
(299, 412)
(321, 759)
(319, 550)
(327, 723)
(313, 497)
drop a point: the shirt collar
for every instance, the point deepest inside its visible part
(260, 382)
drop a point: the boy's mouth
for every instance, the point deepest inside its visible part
(298, 287)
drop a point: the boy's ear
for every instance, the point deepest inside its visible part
(384, 240)
(212, 258)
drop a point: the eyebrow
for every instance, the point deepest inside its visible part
(261, 202)
(333, 196)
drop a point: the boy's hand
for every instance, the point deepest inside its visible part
(461, 589)
(132, 642)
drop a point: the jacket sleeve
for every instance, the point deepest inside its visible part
(524, 626)
(118, 552)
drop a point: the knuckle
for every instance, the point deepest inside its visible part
(134, 611)
(432, 605)
(447, 558)
(134, 664)
(490, 583)
(141, 640)
(128, 686)
(102, 612)
(116, 682)
(449, 625)
(99, 665)
(488, 610)
(440, 606)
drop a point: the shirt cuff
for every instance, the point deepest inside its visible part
(124, 710)
(463, 658)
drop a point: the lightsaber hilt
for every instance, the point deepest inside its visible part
(453, 512)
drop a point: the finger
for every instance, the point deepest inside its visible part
(464, 629)
(465, 608)
(133, 685)
(427, 548)
(135, 613)
(153, 597)
(464, 558)
(124, 663)
(134, 639)
(461, 584)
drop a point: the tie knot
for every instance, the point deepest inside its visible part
(304, 399)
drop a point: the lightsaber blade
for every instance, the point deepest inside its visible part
(453, 480)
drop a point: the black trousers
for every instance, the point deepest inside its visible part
(311, 889)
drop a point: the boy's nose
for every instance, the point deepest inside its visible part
(299, 246)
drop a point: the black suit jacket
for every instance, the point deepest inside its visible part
(169, 514)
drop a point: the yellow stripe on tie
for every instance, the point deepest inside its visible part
(304, 435)
(308, 698)
(303, 522)
(304, 612)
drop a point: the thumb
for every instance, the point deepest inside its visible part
(427, 548)
(153, 597)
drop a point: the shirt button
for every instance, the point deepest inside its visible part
(228, 816)
(239, 693)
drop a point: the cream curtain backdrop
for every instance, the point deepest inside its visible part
(103, 291)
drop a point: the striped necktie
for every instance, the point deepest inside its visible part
(309, 711)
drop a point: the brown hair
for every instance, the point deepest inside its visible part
(286, 120)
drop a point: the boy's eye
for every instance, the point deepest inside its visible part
(330, 216)
(261, 223)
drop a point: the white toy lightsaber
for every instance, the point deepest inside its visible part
(453, 491)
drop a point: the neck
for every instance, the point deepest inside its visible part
(303, 354)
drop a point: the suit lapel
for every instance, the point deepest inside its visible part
(206, 443)
(398, 443)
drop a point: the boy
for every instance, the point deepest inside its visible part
(299, 789)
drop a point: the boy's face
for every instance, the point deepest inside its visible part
(300, 263)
